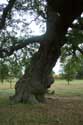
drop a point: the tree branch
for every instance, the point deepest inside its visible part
(4, 52)
(6, 11)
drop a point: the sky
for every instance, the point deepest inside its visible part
(57, 68)
(36, 31)
(3, 1)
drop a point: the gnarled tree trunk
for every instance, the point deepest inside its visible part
(36, 80)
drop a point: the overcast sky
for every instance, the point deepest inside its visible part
(3, 1)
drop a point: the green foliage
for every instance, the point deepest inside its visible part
(14, 66)
(73, 42)
(70, 68)
(4, 71)
(73, 68)
(10, 69)
(80, 70)
(71, 56)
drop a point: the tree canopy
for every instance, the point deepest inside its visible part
(38, 11)
(14, 20)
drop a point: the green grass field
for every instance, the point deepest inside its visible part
(62, 88)
(59, 109)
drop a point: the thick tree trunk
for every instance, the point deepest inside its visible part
(36, 80)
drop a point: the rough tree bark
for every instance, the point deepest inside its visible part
(36, 80)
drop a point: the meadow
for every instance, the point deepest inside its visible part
(61, 88)
(63, 106)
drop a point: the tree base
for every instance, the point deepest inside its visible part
(32, 99)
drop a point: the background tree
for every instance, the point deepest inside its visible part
(3, 71)
(72, 51)
(71, 67)
(80, 70)
(58, 16)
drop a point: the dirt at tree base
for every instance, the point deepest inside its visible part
(56, 110)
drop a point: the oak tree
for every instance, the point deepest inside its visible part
(58, 15)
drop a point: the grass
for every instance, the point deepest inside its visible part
(61, 88)
(59, 109)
